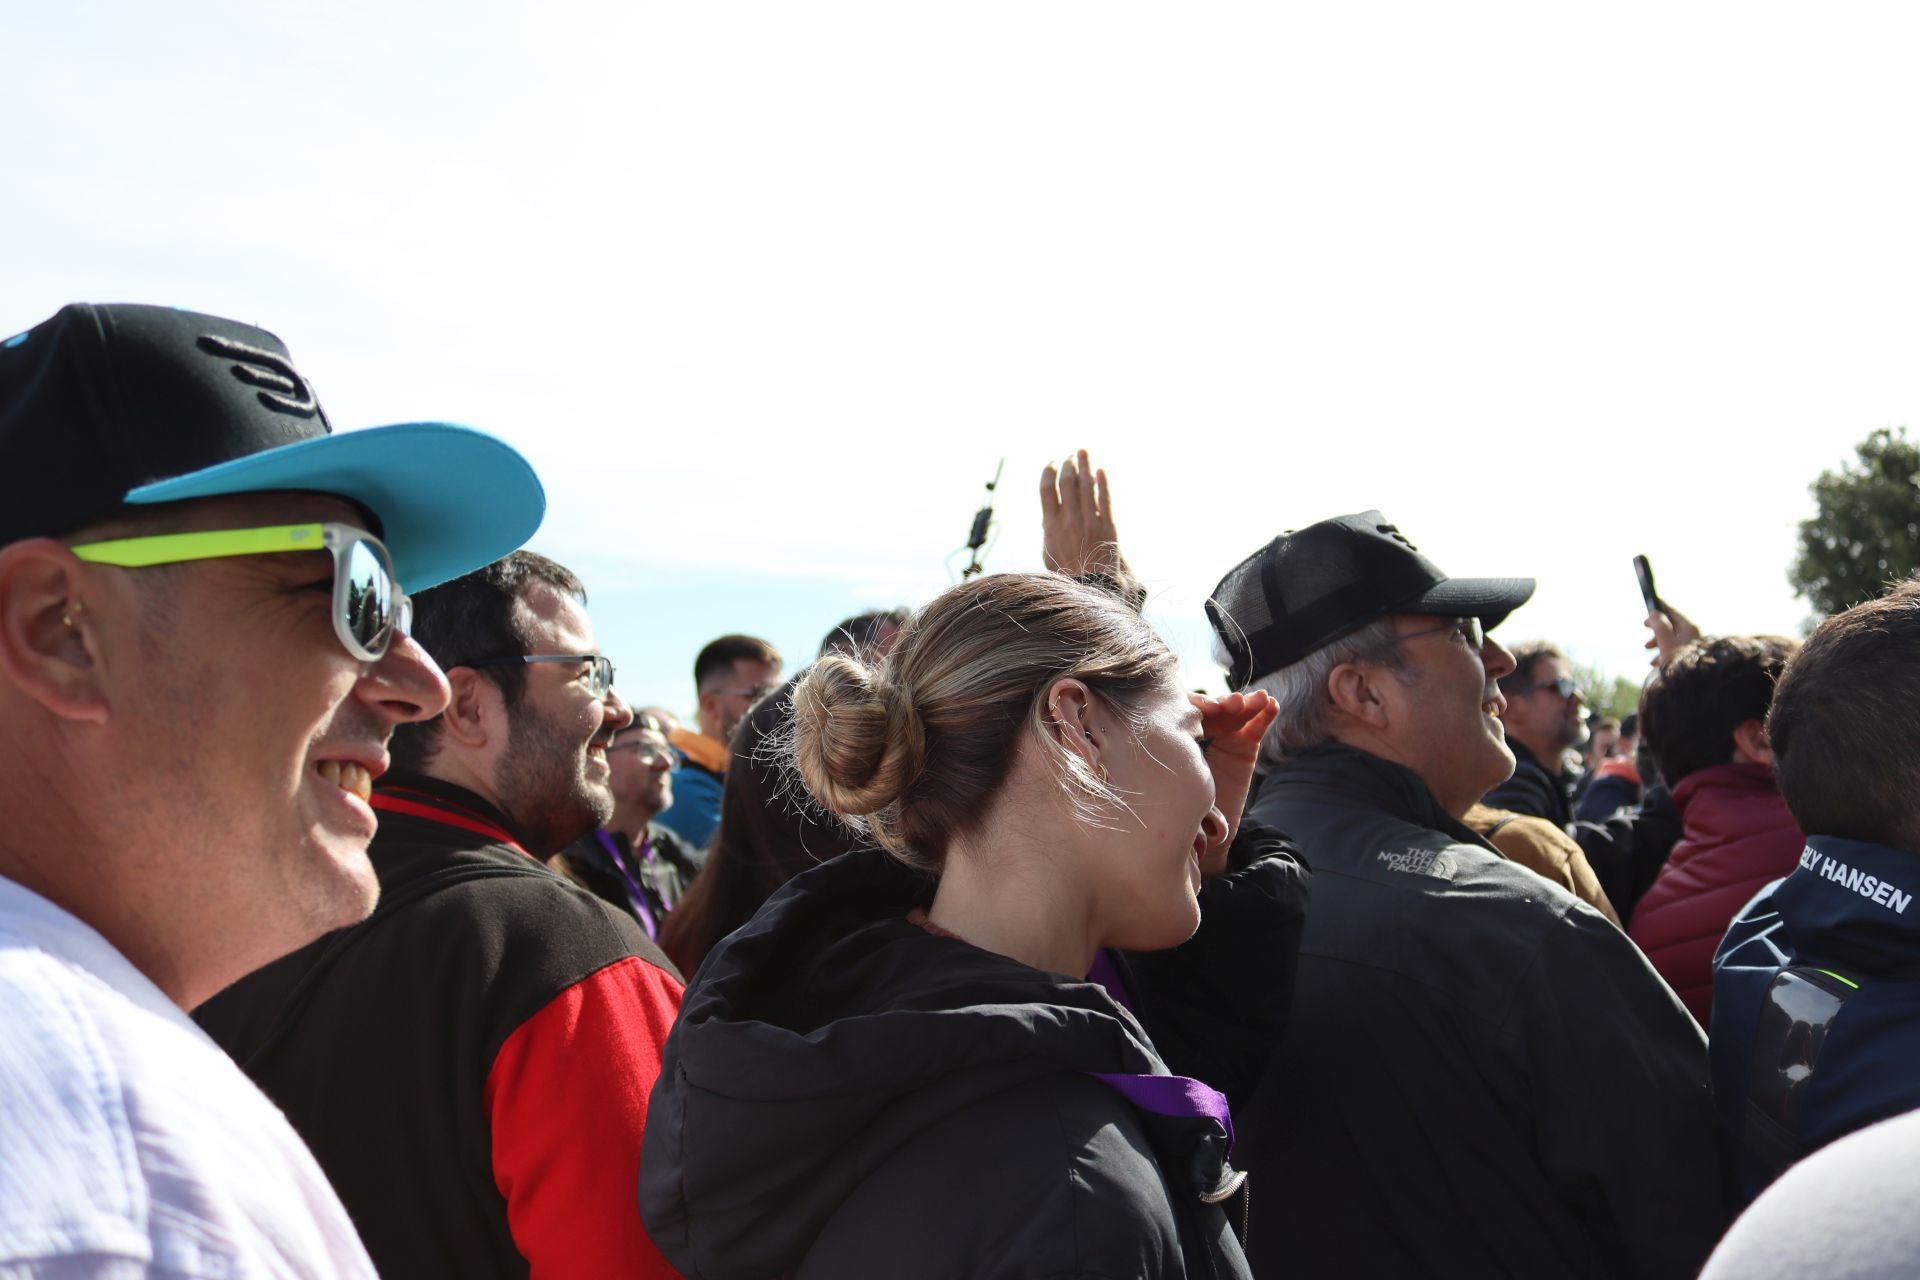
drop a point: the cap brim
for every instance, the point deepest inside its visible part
(451, 498)
(1488, 599)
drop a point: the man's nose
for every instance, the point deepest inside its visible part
(406, 684)
(615, 713)
(1495, 658)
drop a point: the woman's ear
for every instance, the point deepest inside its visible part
(1070, 719)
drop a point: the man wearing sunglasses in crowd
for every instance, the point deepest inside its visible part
(471, 1066)
(203, 651)
(632, 861)
(1482, 1075)
(1545, 714)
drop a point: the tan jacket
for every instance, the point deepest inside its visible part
(1543, 849)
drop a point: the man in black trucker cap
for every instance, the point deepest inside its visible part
(1483, 1076)
(203, 649)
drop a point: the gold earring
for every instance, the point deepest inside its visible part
(66, 619)
(1103, 774)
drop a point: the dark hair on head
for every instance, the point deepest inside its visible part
(1526, 656)
(1845, 724)
(642, 722)
(720, 655)
(915, 749)
(1630, 725)
(770, 831)
(474, 617)
(1705, 691)
(856, 636)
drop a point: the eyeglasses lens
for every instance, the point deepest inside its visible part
(368, 604)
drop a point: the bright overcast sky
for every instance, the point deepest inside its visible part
(766, 290)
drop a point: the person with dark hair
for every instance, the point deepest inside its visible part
(203, 649)
(769, 832)
(471, 1064)
(1615, 782)
(897, 1068)
(1482, 1075)
(1816, 986)
(866, 635)
(731, 674)
(1705, 714)
(632, 861)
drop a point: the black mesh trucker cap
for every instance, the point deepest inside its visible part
(104, 407)
(1309, 587)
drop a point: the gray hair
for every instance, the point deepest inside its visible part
(1301, 687)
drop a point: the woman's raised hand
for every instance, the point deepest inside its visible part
(1231, 726)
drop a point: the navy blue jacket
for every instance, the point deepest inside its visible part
(1816, 1008)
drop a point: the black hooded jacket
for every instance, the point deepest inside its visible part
(849, 1094)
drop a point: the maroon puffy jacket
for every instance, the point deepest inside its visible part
(1736, 837)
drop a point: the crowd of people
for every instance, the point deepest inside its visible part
(348, 932)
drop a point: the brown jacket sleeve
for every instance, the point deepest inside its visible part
(1543, 849)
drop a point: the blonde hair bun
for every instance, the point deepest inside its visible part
(858, 739)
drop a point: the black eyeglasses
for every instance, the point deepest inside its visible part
(1564, 686)
(756, 693)
(1469, 630)
(599, 684)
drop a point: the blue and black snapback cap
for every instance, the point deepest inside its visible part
(107, 407)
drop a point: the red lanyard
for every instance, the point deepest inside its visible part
(444, 811)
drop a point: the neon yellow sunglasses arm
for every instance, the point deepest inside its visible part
(176, 548)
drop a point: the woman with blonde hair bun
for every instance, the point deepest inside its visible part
(900, 1067)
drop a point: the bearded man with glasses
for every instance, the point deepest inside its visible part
(203, 651)
(1482, 1075)
(472, 1065)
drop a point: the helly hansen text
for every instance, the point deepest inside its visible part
(1881, 891)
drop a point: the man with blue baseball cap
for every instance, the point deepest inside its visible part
(203, 650)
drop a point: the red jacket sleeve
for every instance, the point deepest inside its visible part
(567, 1098)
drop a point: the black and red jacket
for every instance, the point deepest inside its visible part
(471, 1065)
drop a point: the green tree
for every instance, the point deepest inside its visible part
(1865, 531)
(1607, 694)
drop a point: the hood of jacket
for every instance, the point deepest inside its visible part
(1738, 836)
(829, 1031)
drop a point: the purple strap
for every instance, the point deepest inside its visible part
(1171, 1096)
(635, 894)
(1162, 1095)
(1107, 974)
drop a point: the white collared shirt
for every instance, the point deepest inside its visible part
(130, 1144)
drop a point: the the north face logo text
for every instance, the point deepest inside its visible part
(279, 384)
(1437, 863)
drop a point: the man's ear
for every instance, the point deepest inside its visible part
(1355, 692)
(476, 712)
(1069, 718)
(1751, 744)
(49, 642)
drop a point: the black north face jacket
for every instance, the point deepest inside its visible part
(847, 1094)
(1483, 1076)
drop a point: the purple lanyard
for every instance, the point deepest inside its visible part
(635, 894)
